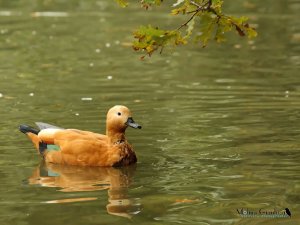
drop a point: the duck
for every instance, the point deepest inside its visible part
(85, 148)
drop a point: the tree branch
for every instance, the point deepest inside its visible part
(199, 8)
(189, 20)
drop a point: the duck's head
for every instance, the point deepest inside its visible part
(118, 118)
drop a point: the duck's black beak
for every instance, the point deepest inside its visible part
(130, 122)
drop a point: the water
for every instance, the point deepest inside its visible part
(220, 125)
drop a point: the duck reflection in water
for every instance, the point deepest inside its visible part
(77, 179)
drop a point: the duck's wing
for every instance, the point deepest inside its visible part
(46, 135)
(43, 126)
(79, 148)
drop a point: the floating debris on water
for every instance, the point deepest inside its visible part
(86, 99)
(76, 114)
(31, 94)
(109, 77)
(171, 110)
(237, 46)
(287, 94)
(162, 140)
(296, 37)
(6, 13)
(98, 50)
(107, 45)
(49, 14)
(1, 95)
(3, 31)
(91, 64)
(117, 42)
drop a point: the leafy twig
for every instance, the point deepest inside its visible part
(213, 24)
(186, 23)
(204, 7)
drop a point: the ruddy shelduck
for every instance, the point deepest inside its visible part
(85, 148)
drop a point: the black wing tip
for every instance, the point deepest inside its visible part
(42, 148)
(25, 129)
(288, 212)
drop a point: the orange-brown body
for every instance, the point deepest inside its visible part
(86, 148)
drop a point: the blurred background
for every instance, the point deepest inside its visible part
(220, 124)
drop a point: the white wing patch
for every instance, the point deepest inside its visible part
(43, 126)
(47, 134)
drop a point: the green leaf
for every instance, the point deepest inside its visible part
(153, 2)
(151, 39)
(208, 24)
(122, 3)
(182, 9)
(147, 3)
(251, 32)
(190, 28)
(217, 5)
(178, 3)
(242, 27)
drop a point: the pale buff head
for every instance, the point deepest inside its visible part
(118, 118)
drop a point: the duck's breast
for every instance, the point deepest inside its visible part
(127, 156)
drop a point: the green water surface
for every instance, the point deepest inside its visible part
(220, 130)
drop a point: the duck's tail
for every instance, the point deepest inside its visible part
(27, 129)
(32, 133)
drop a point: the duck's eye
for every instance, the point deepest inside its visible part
(119, 114)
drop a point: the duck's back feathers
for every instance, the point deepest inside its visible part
(43, 126)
